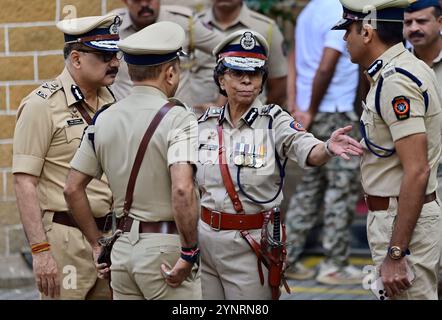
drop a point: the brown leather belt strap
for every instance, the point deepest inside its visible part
(84, 113)
(231, 221)
(225, 173)
(168, 227)
(65, 218)
(140, 156)
(376, 203)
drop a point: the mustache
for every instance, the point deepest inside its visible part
(416, 34)
(112, 71)
(146, 10)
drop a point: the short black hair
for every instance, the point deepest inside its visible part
(220, 69)
(69, 47)
(389, 33)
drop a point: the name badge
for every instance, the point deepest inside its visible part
(74, 122)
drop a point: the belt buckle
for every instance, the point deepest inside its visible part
(211, 220)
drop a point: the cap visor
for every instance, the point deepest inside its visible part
(104, 45)
(244, 64)
(342, 24)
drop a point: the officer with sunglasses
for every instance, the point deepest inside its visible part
(50, 124)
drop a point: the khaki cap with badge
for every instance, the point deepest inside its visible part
(156, 44)
(372, 10)
(97, 32)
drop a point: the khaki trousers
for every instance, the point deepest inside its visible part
(136, 262)
(229, 266)
(76, 267)
(424, 246)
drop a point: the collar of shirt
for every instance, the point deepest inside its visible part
(438, 59)
(66, 80)
(243, 18)
(148, 90)
(386, 57)
(248, 117)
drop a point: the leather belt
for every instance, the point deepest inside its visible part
(375, 203)
(231, 221)
(64, 217)
(168, 227)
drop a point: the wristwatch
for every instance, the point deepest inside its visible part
(396, 253)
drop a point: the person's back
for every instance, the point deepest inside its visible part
(124, 124)
(311, 39)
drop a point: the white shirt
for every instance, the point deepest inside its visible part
(313, 33)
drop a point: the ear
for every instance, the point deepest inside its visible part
(74, 57)
(367, 33)
(221, 81)
(170, 74)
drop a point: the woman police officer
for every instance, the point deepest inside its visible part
(243, 148)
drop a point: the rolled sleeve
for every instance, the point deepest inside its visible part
(32, 136)
(85, 159)
(183, 139)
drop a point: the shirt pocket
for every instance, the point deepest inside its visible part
(74, 133)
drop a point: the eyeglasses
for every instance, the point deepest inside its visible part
(240, 74)
(105, 56)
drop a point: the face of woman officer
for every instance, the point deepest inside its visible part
(242, 87)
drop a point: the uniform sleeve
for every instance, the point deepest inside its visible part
(85, 159)
(402, 107)
(277, 55)
(32, 136)
(205, 39)
(183, 139)
(290, 142)
(335, 39)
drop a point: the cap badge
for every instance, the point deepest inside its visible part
(247, 41)
(113, 29)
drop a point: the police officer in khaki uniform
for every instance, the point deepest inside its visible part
(140, 14)
(401, 129)
(50, 124)
(227, 17)
(243, 147)
(422, 27)
(156, 256)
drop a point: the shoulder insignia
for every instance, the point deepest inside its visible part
(374, 67)
(388, 72)
(401, 107)
(47, 89)
(210, 113)
(251, 116)
(178, 10)
(272, 110)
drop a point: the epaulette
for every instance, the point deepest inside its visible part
(210, 113)
(47, 89)
(179, 10)
(271, 110)
(178, 102)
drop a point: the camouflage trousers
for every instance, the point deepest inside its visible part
(334, 187)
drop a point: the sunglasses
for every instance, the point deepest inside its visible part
(240, 74)
(105, 56)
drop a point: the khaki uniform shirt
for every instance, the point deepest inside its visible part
(118, 132)
(203, 87)
(47, 135)
(437, 67)
(383, 176)
(197, 36)
(253, 137)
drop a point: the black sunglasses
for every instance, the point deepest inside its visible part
(105, 56)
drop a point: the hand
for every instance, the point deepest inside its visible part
(394, 276)
(102, 268)
(178, 274)
(46, 274)
(340, 144)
